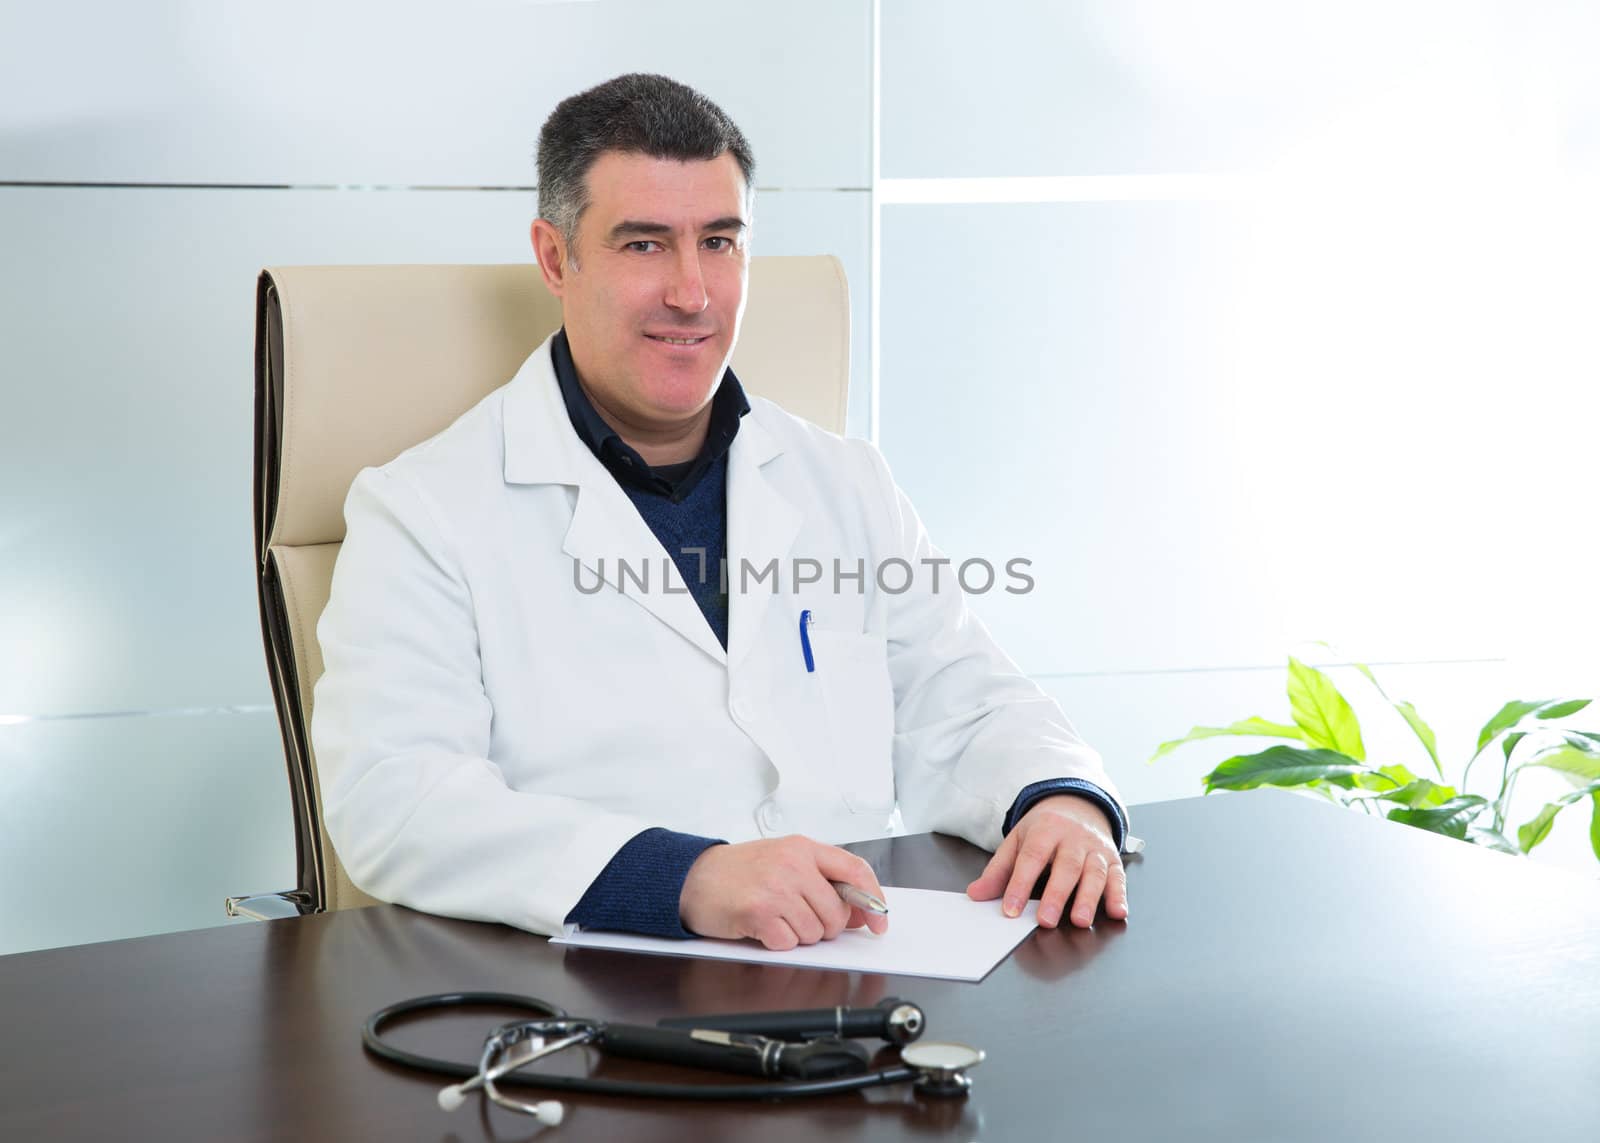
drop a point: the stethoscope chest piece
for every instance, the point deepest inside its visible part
(941, 1067)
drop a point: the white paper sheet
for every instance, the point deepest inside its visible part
(931, 933)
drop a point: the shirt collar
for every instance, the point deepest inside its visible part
(621, 459)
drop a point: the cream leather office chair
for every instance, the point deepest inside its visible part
(354, 364)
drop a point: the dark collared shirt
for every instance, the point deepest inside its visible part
(674, 481)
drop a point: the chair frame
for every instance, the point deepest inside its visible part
(310, 894)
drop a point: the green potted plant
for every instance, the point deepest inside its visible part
(1322, 752)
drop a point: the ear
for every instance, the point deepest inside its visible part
(550, 248)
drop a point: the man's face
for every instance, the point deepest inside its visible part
(654, 290)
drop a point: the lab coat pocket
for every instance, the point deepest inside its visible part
(852, 672)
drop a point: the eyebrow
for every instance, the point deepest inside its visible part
(633, 228)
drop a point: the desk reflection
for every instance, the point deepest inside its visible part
(1053, 954)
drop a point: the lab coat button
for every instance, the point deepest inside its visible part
(770, 817)
(741, 710)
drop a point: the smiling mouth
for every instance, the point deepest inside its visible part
(677, 340)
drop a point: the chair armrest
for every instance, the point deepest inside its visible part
(269, 906)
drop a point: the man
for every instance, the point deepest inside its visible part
(505, 731)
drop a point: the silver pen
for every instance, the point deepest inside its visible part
(861, 899)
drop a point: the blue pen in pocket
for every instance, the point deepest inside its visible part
(805, 641)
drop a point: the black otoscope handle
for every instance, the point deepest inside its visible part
(892, 1020)
(734, 1052)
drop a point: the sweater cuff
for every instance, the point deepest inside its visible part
(638, 890)
(1079, 786)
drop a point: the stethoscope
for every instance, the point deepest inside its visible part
(801, 1053)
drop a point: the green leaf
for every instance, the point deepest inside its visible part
(1533, 832)
(1492, 839)
(1365, 670)
(1421, 794)
(1580, 793)
(1385, 779)
(1284, 766)
(1507, 716)
(1250, 726)
(1451, 819)
(1423, 731)
(1399, 775)
(1594, 825)
(1581, 766)
(1509, 742)
(1514, 712)
(1557, 710)
(1322, 713)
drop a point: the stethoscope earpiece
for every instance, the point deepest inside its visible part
(549, 1112)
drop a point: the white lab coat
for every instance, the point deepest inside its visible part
(489, 736)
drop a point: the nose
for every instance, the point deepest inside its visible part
(686, 291)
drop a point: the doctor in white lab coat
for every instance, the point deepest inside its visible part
(505, 705)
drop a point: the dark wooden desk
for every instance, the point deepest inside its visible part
(1291, 971)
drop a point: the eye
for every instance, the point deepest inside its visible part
(719, 243)
(641, 246)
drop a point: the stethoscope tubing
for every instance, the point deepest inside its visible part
(372, 1039)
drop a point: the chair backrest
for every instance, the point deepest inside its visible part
(355, 364)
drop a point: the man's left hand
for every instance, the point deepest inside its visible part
(1072, 836)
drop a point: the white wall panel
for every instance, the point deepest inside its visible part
(1046, 87)
(837, 223)
(121, 827)
(126, 451)
(125, 549)
(369, 92)
(1219, 429)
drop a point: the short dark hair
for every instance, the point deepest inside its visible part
(635, 114)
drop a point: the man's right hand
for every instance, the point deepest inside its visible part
(778, 892)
